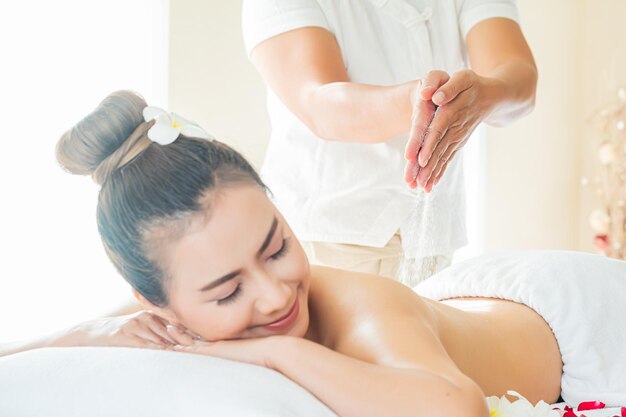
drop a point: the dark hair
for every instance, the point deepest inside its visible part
(145, 186)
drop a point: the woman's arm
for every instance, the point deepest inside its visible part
(141, 329)
(355, 388)
(351, 387)
(305, 69)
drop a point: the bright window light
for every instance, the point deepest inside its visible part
(60, 59)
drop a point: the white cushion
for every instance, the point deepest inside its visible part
(125, 382)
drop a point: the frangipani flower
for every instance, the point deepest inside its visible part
(502, 407)
(169, 126)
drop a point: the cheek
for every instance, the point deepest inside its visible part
(296, 266)
(214, 322)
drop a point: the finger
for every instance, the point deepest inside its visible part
(438, 171)
(459, 82)
(411, 182)
(149, 323)
(181, 337)
(444, 168)
(436, 131)
(431, 82)
(140, 342)
(411, 170)
(158, 327)
(427, 172)
(195, 336)
(196, 347)
(147, 334)
(443, 162)
(423, 114)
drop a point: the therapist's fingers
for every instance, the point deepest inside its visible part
(458, 82)
(423, 113)
(427, 172)
(436, 131)
(431, 83)
(451, 123)
(411, 170)
(441, 166)
(444, 168)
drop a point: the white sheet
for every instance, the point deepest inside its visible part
(124, 382)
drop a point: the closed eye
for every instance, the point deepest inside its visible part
(282, 251)
(231, 297)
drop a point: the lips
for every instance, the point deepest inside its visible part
(285, 321)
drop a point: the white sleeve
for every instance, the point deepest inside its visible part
(475, 11)
(263, 19)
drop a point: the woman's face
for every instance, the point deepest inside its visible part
(240, 272)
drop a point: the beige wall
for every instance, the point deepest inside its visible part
(533, 194)
(532, 166)
(535, 167)
(211, 80)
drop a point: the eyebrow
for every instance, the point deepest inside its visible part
(233, 274)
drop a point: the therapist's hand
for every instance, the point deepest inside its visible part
(446, 112)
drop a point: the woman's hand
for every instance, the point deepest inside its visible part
(446, 112)
(257, 351)
(142, 329)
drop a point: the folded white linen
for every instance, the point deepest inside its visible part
(581, 296)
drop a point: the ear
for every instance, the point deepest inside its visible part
(163, 312)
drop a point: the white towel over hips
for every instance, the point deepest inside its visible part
(581, 296)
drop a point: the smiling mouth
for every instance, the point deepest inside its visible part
(287, 320)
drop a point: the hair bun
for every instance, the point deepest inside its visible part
(99, 134)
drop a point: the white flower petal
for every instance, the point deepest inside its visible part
(181, 120)
(162, 134)
(515, 394)
(493, 402)
(194, 131)
(152, 112)
(164, 119)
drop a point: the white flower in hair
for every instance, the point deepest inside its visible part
(169, 126)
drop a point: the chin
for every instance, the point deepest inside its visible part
(300, 329)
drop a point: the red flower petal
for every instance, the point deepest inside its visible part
(590, 405)
(623, 411)
(569, 412)
(568, 408)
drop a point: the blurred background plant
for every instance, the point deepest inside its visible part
(608, 222)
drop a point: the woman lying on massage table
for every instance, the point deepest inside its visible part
(189, 225)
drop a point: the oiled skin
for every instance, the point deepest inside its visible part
(501, 345)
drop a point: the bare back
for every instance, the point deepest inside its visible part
(500, 344)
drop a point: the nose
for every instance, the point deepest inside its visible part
(274, 294)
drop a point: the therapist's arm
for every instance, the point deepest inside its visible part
(498, 89)
(305, 69)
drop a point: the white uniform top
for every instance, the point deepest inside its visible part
(355, 193)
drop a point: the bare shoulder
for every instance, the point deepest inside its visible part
(364, 292)
(375, 319)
